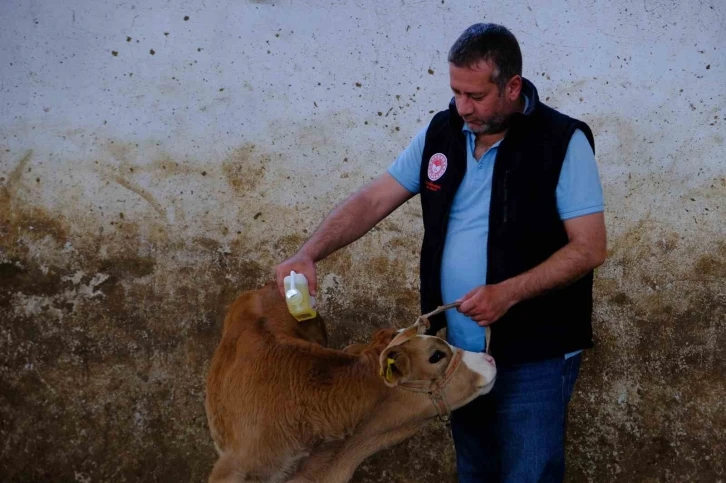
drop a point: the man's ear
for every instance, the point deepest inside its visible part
(513, 88)
(394, 366)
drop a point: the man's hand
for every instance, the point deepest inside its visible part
(301, 263)
(487, 303)
(585, 251)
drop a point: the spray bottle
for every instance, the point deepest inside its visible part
(297, 296)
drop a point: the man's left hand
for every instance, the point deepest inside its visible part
(487, 303)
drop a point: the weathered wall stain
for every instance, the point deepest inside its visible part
(148, 197)
(91, 344)
(108, 351)
(243, 170)
(15, 175)
(105, 355)
(87, 350)
(652, 390)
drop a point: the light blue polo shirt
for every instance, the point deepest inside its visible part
(464, 262)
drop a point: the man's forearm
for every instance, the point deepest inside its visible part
(355, 216)
(564, 267)
(346, 223)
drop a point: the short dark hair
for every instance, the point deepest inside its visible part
(491, 43)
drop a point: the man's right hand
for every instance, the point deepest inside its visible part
(301, 264)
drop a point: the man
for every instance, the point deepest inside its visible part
(513, 217)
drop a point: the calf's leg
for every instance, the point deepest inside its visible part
(338, 466)
(226, 470)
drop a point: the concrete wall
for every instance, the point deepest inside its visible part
(157, 158)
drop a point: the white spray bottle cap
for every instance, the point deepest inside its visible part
(292, 293)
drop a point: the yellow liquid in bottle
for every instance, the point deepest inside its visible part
(298, 302)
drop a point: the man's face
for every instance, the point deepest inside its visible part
(485, 108)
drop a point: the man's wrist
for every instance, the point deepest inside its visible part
(307, 252)
(514, 287)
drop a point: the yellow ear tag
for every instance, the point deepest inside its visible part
(389, 371)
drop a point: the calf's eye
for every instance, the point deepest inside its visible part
(436, 357)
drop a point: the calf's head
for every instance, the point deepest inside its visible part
(450, 376)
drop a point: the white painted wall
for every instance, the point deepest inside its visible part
(647, 76)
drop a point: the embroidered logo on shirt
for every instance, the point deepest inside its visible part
(437, 166)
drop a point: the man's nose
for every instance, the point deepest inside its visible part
(464, 106)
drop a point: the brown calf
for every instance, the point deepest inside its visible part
(282, 407)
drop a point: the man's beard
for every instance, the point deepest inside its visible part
(494, 125)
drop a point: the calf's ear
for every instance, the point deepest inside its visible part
(383, 337)
(395, 366)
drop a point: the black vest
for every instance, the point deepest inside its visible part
(524, 228)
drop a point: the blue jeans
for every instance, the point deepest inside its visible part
(516, 433)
